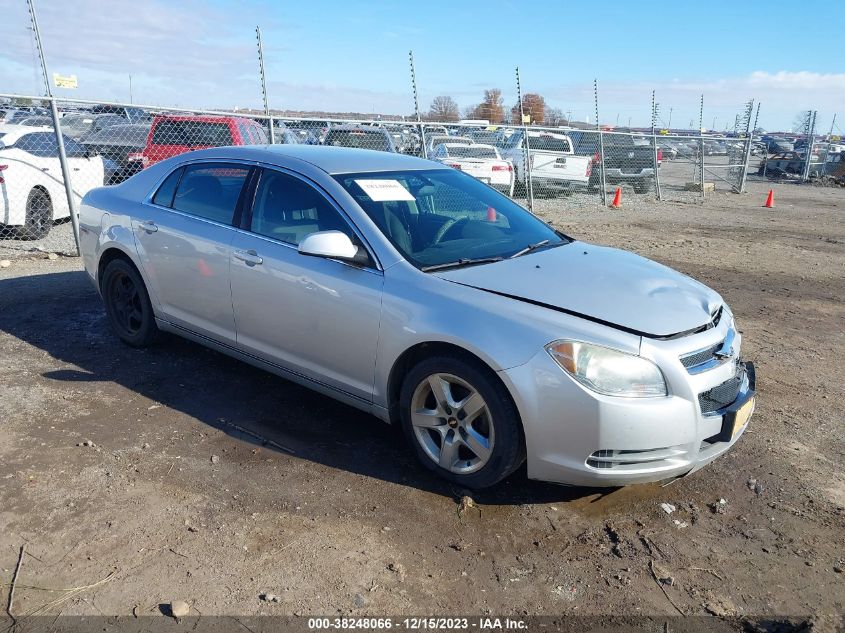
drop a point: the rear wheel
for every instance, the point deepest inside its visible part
(642, 187)
(461, 422)
(128, 304)
(39, 215)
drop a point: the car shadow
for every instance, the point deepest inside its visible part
(61, 314)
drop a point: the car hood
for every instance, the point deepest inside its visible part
(602, 284)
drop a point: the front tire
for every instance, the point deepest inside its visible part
(460, 422)
(128, 304)
(39, 215)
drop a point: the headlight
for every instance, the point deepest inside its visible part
(608, 371)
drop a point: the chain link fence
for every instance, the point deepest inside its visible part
(554, 168)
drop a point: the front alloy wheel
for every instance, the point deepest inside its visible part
(460, 421)
(452, 423)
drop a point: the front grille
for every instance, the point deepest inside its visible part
(697, 358)
(722, 395)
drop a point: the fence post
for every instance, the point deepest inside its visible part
(750, 132)
(526, 159)
(264, 85)
(601, 170)
(811, 132)
(417, 104)
(603, 179)
(71, 203)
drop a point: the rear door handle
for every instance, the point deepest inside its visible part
(250, 257)
(149, 227)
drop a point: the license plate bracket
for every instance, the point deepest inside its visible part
(737, 414)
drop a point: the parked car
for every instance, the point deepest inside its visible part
(171, 135)
(14, 116)
(777, 145)
(119, 145)
(479, 161)
(433, 140)
(626, 160)
(790, 164)
(283, 135)
(32, 191)
(129, 113)
(416, 293)
(36, 120)
(552, 163)
(304, 135)
(360, 136)
(487, 136)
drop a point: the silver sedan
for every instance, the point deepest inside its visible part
(423, 296)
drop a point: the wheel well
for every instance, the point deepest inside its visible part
(420, 351)
(108, 256)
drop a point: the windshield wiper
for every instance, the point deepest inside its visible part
(461, 262)
(529, 248)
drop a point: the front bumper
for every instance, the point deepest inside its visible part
(578, 437)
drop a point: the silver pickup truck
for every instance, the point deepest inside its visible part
(552, 163)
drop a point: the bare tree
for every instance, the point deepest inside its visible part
(444, 108)
(555, 116)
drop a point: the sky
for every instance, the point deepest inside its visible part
(352, 55)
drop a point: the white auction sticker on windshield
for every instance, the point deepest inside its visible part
(385, 190)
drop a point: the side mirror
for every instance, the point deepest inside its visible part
(332, 245)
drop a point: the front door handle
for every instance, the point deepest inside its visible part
(250, 257)
(149, 227)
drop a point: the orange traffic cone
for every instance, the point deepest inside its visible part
(617, 199)
(770, 200)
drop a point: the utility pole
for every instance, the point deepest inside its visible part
(669, 125)
(54, 111)
(264, 85)
(832, 123)
(130, 89)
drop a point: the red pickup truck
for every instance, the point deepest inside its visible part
(171, 135)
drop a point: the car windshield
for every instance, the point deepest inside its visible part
(472, 151)
(441, 216)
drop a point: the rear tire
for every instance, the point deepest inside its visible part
(128, 304)
(461, 422)
(642, 187)
(39, 215)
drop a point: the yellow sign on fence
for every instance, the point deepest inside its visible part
(64, 82)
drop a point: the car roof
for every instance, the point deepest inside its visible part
(330, 159)
(202, 118)
(474, 145)
(12, 132)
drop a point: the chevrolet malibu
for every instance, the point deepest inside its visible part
(421, 295)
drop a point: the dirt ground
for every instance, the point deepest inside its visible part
(178, 497)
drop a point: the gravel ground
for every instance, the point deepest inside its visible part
(145, 467)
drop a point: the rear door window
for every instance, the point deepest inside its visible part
(211, 190)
